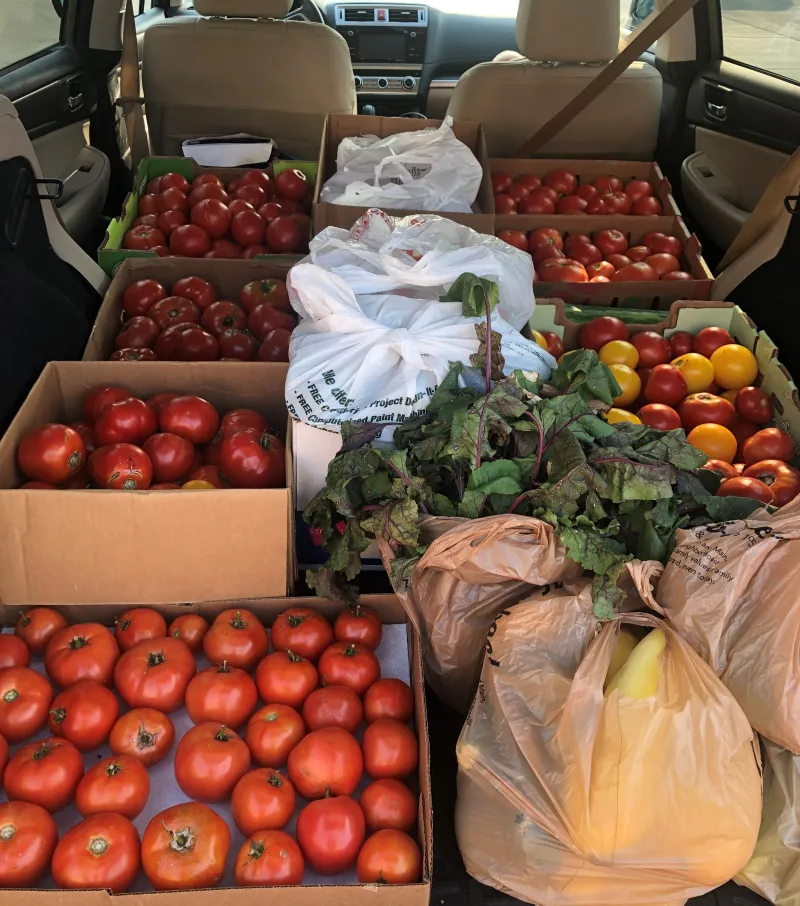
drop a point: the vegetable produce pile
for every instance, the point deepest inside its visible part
(191, 324)
(613, 489)
(254, 215)
(604, 257)
(166, 442)
(320, 686)
(559, 192)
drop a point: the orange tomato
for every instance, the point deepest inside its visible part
(614, 415)
(630, 384)
(697, 370)
(619, 352)
(734, 366)
(716, 441)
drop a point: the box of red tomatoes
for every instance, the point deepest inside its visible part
(181, 208)
(267, 750)
(186, 309)
(154, 482)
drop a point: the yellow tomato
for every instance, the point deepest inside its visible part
(619, 352)
(697, 370)
(622, 415)
(734, 366)
(730, 395)
(198, 485)
(540, 340)
(630, 383)
(716, 441)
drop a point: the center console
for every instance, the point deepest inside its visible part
(387, 49)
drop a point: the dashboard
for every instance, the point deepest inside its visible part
(406, 55)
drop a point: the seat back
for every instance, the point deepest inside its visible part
(565, 44)
(216, 76)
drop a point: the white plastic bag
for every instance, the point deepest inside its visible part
(379, 358)
(423, 256)
(428, 170)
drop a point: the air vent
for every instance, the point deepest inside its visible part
(358, 14)
(408, 15)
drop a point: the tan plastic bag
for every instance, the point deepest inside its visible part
(732, 591)
(473, 569)
(567, 798)
(774, 870)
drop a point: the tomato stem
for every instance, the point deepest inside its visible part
(123, 624)
(275, 779)
(223, 668)
(355, 610)
(11, 695)
(7, 831)
(295, 621)
(97, 846)
(273, 715)
(145, 739)
(44, 749)
(222, 734)
(256, 850)
(237, 622)
(350, 651)
(294, 658)
(78, 642)
(24, 620)
(113, 769)
(182, 840)
(155, 658)
(58, 715)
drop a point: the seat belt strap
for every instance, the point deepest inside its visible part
(130, 99)
(639, 42)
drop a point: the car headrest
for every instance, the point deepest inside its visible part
(568, 31)
(244, 9)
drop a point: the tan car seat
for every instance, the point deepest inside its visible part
(241, 70)
(570, 39)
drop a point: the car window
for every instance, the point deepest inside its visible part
(765, 35)
(27, 27)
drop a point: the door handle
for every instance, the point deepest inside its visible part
(717, 111)
(75, 101)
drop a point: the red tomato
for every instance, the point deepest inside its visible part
(286, 678)
(272, 733)
(538, 202)
(722, 468)
(239, 204)
(653, 349)
(388, 803)
(100, 852)
(637, 188)
(600, 269)
(677, 275)
(528, 181)
(189, 241)
(586, 255)
(221, 693)
(586, 191)
(208, 190)
(144, 734)
(745, 487)
(637, 271)
(262, 800)
(169, 221)
(269, 858)
(252, 460)
(275, 347)
(292, 184)
(122, 467)
(174, 310)
(615, 203)
(514, 237)
(390, 749)
(541, 255)
(172, 199)
(119, 784)
(270, 290)
(206, 179)
(258, 178)
(185, 847)
(158, 400)
(190, 417)
(346, 664)
(638, 253)
(155, 673)
(247, 228)
(657, 415)
(252, 251)
(333, 706)
(25, 698)
(618, 262)
(505, 204)
(600, 331)
(224, 248)
(597, 205)
(330, 833)
(86, 432)
(244, 418)
(555, 345)
(754, 404)
(389, 857)
(196, 289)
(388, 698)
(742, 430)
(577, 239)
(209, 762)
(500, 182)
(143, 238)
(172, 457)
(680, 343)
(255, 196)
(140, 623)
(148, 204)
(133, 354)
(770, 471)
(219, 316)
(236, 636)
(272, 209)
(302, 630)
(563, 270)
(194, 344)
(126, 422)
(84, 714)
(658, 242)
(190, 629)
(26, 847)
(571, 204)
(665, 384)
(286, 236)
(563, 181)
(150, 220)
(237, 344)
(13, 652)
(84, 651)
(213, 216)
(769, 443)
(647, 206)
(37, 625)
(359, 624)
(51, 453)
(45, 772)
(326, 762)
(138, 332)
(211, 474)
(517, 192)
(705, 408)
(607, 183)
(141, 295)
(611, 242)
(265, 318)
(173, 181)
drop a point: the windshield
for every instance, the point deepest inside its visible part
(507, 9)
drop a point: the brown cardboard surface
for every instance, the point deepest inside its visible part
(391, 611)
(587, 170)
(339, 126)
(226, 276)
(94, 546)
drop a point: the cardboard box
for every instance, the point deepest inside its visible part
(226, 276)
(339, 126)
(658, 294)
(774, 379)
(391, 612)
(111, 254)
(587, 170)
(145, 547)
